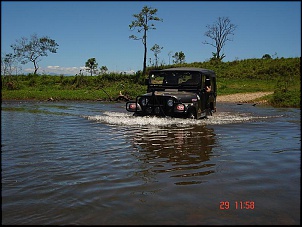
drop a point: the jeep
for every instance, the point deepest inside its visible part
(177, 92)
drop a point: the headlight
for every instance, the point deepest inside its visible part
(170, 102)
(180, 107)
(133, 107)
(144, 101)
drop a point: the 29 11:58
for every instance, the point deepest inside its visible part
(239, 205)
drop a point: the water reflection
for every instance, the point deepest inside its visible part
(180, 153)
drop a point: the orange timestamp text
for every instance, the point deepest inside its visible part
(238, 205)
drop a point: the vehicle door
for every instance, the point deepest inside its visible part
(203, 94)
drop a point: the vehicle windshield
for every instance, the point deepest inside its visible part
(175, 78)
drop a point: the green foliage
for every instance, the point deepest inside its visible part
(91, 65)
(179, 57)
(286, 98)
(266, 56)
(216, 57)
(231, 86)
(264, 69)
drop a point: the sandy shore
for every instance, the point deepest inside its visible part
(242, 97)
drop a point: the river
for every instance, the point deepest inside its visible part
(93, 163)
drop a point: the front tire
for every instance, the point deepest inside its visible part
(191, 114)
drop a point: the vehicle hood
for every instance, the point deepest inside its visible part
(182, 96)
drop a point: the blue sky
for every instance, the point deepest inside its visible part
(100, 29)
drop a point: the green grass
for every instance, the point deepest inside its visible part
(281, 76)
(106, 94)
(231, 86)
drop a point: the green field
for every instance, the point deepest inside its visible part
(282, 76)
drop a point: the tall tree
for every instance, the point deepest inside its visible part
(142, 23)
(179, 57)
(31, 50)
(156, 50)
(220, 32)
(91, 65)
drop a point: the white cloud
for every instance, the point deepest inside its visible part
(55, 69)
(61, 70)
(58, 70)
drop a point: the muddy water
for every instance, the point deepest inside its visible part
(92, 163)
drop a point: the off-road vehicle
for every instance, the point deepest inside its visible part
(177, 92)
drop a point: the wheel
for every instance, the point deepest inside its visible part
(191, 114)
(212, 108)
(208, 112)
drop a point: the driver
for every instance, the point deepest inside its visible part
(208, 85)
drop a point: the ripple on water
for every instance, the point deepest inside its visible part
(101, 166)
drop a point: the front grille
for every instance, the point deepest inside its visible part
(158, 101)
(156, 105)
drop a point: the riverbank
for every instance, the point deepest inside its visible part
(250, 97)
(244, 97)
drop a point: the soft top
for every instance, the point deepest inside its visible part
(192, 69)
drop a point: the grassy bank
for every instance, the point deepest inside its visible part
(282, 76)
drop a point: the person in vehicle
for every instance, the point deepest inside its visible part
(208, 85)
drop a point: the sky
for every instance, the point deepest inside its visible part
(100, 30)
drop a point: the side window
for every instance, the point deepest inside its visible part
(156, 79)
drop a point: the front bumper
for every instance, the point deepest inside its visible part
(157, 106)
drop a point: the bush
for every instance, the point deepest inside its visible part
(286, 98)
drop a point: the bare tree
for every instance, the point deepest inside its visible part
(220, 32)
(156, 50)
(169, 54)
(142, 23)
(32, 49)
(7, 64)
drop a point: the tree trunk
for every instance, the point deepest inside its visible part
(36, 67)
(145, 52)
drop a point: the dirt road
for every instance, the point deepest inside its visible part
(242, 97)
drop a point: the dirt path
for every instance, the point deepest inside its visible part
(242, 97)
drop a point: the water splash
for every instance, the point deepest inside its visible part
(116, 118)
